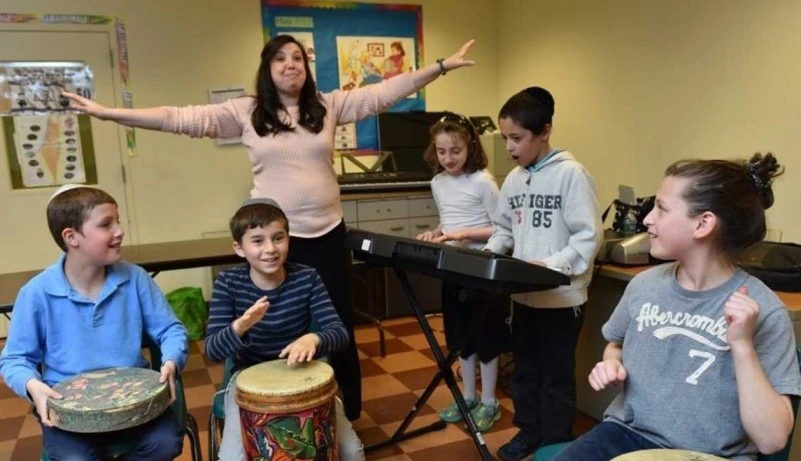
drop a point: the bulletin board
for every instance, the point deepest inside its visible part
(351, 45)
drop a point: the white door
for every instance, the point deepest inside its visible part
(25, 242)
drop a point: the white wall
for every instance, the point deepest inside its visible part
(640, 84)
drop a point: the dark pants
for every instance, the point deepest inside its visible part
(328, 255)
(544, 382)
(461, 308)
(157, 440)
(604, 442)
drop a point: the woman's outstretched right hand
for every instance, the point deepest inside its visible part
(150, 119)
(85, 105)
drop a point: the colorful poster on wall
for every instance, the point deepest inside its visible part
(364, 61)
(49, 149)
(352, 46)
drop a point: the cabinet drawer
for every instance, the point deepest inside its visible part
(396, 227)
(422, 207)
(350, 213)
(420, 225)
(374, 210)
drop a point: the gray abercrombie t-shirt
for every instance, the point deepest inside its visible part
(681, 390)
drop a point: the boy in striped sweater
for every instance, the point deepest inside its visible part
(263, 311)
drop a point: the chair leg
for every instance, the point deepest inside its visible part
(194, 437)
(212, 434)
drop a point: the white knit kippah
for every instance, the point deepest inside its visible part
(260, 201)
(65, 188)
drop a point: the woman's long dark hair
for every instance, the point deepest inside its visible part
(265, 116)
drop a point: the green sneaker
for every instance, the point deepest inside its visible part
(485, 415)
(451, 414)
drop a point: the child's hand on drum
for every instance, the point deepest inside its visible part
(168, 372)
(607, 373)
(39, 393)
(741, 313)
(301, 350)
(251, 316)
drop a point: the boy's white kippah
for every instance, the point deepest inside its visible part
(65, 188)
(260, 201)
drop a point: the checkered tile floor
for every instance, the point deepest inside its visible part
(390, 386)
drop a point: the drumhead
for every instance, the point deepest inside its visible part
(667, 455)
(276, 378)
(275, 387)
(108, 400)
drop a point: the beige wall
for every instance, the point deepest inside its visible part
(639, 84)
(178, 49)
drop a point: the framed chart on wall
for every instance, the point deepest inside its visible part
(352, 45)
(47, 144)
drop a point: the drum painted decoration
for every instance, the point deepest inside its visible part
(288, 413)
(107, 400)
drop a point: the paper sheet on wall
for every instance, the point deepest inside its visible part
(29, 87)
(307, 39)
(47, 149)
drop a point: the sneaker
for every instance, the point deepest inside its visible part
(485, 415)
(451, 414)
(516, 449)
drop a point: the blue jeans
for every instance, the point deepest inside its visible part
(604, 442)
(158, 440)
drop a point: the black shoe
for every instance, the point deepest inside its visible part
(516, 449)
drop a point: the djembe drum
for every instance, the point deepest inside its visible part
(288, 412)
(108, 400)
(666, 455)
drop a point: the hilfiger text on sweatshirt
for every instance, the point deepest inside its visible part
(542, 204)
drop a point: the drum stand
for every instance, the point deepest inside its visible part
(445, 372)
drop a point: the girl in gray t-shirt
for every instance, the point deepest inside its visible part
(705, 353)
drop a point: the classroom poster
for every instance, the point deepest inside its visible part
(49, 149)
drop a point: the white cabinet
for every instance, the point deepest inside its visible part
(398, 227)
(350, 213)
(402, 217)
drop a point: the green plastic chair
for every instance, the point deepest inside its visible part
(179, 407)
(548, 452)
(217, 415)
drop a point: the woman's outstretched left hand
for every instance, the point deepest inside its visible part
(457, 60)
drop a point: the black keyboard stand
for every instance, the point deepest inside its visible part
(445, 364)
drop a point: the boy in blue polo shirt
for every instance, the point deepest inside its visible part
(89, 311)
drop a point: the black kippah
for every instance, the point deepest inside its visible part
(542, 96)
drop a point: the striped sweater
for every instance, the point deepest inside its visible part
(299, 301)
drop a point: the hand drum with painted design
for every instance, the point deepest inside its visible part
(288, 412)
(108, 400)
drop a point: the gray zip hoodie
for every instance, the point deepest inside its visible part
(552, 216)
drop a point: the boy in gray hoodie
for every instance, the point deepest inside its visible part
(548, 214)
